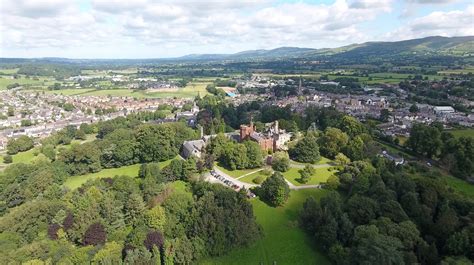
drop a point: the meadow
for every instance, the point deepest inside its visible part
(27, 82)
(75, 182)
(283, 241)
(463, 133)
(190, 91)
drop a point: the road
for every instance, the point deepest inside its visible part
(241, 184)
(314, 166)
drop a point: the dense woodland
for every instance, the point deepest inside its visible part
(376, 212)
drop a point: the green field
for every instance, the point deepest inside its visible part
(249, 178)
(190, 91)
(132, 171)
(29, 82)
(463, 133)
(283, 242)
(235, 173)
(320, 176)
(460, 186)
(22, 157)
(320, 162)
(9, 71)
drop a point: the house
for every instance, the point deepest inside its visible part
(193, 148)
(442, 110)
(272, 139)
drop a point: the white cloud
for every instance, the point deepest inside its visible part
(174, 27)
(450, 23)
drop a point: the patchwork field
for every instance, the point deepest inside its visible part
(190, 91)
(283, 242)
(27, 82)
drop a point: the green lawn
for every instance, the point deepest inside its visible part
(76, 181)
(460, 186)
(323, 160)
(22, 157)
(235, 173)
(283, 242)
(320, 176)
(463, 133)
(249, 178)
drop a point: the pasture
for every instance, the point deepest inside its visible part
(283, 241)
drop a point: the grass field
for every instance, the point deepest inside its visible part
(190, 91)
(463, 133)
(30, 82)
(235, 173)
(283, 242)
(460, 186)
(249, 178)
(320, 162)
(132, 171)
(9, 71)
(22, 157)
(320, 176)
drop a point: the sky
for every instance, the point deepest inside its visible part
(171, 28)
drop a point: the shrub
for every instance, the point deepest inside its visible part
(7, 159)
(258, 180)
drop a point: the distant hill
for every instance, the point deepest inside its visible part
(429, 47)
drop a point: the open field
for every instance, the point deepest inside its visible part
(30, 82)
(249, 178)
(463, 133)
(322, 161)
(235, 173)
(460, 186)
(9, 71)
(283, 242)
(320, 176)
(190, 91)
(132, 171)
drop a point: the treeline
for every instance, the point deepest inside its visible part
(391, 215)
(58, 71)
(456, 154)
(127, 221)
(147, 220)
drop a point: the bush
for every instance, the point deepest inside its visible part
(7, 159)
(281, 162)
(258, 180)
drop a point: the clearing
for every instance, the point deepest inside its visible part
(283, 241)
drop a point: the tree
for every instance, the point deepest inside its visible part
(49, 151)
(306, 173)
(384, 115)
(274, 190)
(371, 247)
(341, 159)
(425, 140)
(414, 108)
(306, 150)
(154, 238)
(21, 144)
(254, 154)
(134, 209)
(95, 235)
(280, 161)
(332, 142)
(155, 218)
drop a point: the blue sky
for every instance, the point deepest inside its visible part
(169, 28)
